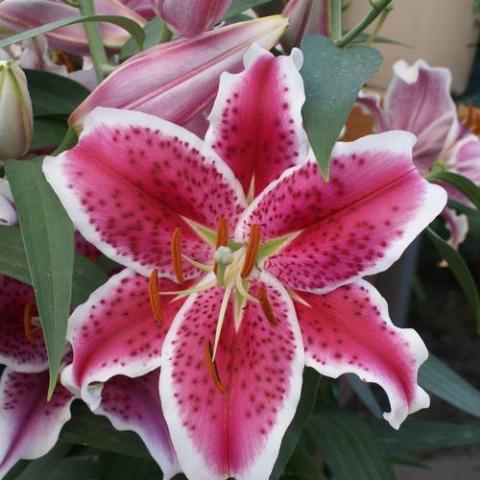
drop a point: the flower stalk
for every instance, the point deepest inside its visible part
(377, 8)
(95, 42)
(336, 19)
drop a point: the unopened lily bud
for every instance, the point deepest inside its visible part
(177, 80)
(16, 117)
(191, 17)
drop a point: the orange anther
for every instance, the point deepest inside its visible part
(27, 321)
(154, 297)
(176, 251)
(252, 250)
(222, 233)
(212, 367)
(266, 305)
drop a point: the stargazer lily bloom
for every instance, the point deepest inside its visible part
(174, 89)
(30, 424)
(418, 99)
(243, 264)
(191, 17)
(20, 15)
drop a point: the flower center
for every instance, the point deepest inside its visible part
(232, 265)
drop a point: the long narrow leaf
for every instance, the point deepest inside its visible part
(350, 448)
(442, 381)
(461, 183)
(460, 269)
(87, 276)
(47, 234)
(132, 27)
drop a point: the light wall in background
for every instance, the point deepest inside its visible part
(440, 31)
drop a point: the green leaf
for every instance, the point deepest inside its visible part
(132, 27)
(459, 182)
(422, 435)
(40, 469)
(47, 234)
(440, 380)
(239, 6)
(120, 467)
(333, 77)
(94, 431)
(156, 31)
(87, 276)
(48, 132)
(311, 381)
(53, 94)
(303, 467)
(349, 446)
(460, 270)
(365, 394)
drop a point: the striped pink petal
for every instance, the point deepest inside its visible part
(29, 425)
(235, 432)
(133, 179)
(116, 333)
(349, 331)
(134, 404)
(256, 122)
(358, 223)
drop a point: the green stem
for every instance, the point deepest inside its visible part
(378, 7)
(378, 25)
(95, 42)
(336, 19)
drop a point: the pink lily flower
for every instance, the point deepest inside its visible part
(418, 99)
(20, 15)
(305, 17)
(282, 287)
(29, 424)
(191, 17)
(174, 89)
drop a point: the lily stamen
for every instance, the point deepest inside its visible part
(266, 305)
(252, 250)
(176, 252)
(154, 297)
(27, 322)
(222, 233)
(212, 367)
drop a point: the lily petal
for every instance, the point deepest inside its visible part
(20, 15)
(235, 432)
(356, 224)
(418, 100)
(256, 121)
(457, 225)
(115, 333)
(134, 404)
(174, 89)
(371, 104)
(29, 424)
(133, 179)
(349, 331)
(191, 17)
(16, 351)
(306, 17)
